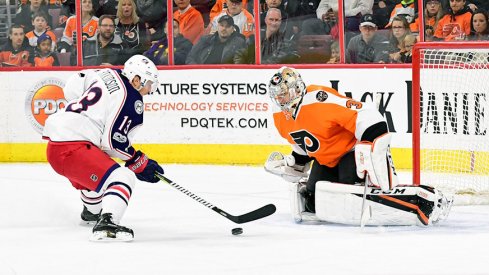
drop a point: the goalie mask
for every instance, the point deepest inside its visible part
(141, 66)
(286, 89)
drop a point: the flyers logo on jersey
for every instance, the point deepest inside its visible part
(43, 99)
(305, 140)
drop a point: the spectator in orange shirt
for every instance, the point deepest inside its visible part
(406, 9)
(191, 21)
(433, 12)
(44, 56)
(89, 28)
(455, 25)
(242, 18)
(39, 21)
(16, 52)
(221, 5)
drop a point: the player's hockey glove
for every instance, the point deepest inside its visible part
(286, 167)
(144, 167)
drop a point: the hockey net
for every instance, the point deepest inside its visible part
(451, 119)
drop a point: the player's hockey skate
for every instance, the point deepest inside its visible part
(88, 218)
(107, 230)
(442, 207)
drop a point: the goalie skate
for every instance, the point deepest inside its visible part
(442, 207)
(107, 231)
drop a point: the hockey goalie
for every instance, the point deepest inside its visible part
(340, 168)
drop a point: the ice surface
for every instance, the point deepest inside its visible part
(40, 231)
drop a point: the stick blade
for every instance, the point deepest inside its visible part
(259, 213)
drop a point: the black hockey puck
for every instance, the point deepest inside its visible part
(237, 231)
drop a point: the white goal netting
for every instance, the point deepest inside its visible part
(454, 122)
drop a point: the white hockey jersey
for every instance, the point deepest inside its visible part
(106, 114)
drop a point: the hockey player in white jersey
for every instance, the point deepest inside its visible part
(104, 110)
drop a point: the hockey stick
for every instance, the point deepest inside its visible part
(259, 213)
(365, 215)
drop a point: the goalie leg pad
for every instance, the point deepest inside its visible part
(404, 205)
(297, 203)
(374, 159)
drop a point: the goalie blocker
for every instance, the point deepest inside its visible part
(342, 203)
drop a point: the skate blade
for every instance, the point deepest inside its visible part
(105, 236)
(87, 223)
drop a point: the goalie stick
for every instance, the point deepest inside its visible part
(259, 213)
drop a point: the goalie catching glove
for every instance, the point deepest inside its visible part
(144, 167)
(286, 167)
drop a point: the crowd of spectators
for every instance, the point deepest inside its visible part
(44, 32)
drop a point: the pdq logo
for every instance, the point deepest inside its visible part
(44, 99)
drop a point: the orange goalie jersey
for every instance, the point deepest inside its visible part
(326, 125)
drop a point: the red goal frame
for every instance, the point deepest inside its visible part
(416, 67)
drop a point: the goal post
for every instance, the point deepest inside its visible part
(450, 116)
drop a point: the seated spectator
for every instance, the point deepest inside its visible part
(335, 53)
(39, 21)
(297, 11)
(106, 49)
(277, 4)
(368, 46)
(354, 10)
(158, 53)
(24, 15)
(242, 18)
(382, 10)
(221, 5)
(455, 25)
(16, 52)
(407, 9)
(432, 15)
(220, 47)
(89, 28)
(479, 26)
(327, 13)
(191, 21)
(153, 14)
(478, 4)
(44, 55)
(407, 52)
(274, 48)
(130, 29)
(399, 30)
